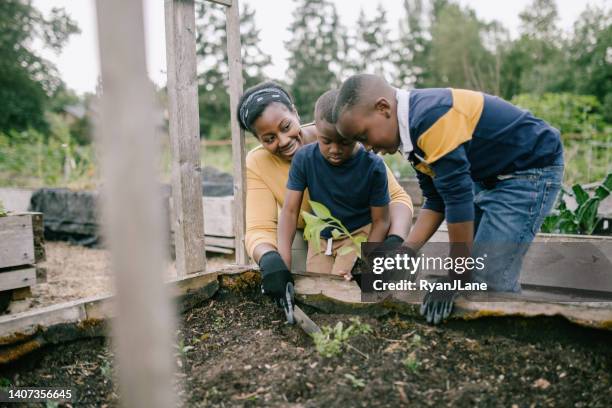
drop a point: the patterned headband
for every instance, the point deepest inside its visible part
(261, 97)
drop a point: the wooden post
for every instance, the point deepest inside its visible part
(132, 209)
(238, 149)
(185, 137)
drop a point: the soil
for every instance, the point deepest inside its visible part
(76, 272)
(236, 350)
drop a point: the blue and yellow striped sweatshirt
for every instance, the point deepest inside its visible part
(460, 136)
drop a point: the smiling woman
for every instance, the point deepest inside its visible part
(267, 111)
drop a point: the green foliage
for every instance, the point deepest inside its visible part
(411, 50)
(28, 158)
(333, 340)
(570, 113)
(3, 212)
(582, 220)
(589, 56)
(26, 79)
(368, 48)
(355, 382)
(322, 219)
(411, 362)
(315, 52)
(211, 37)
(458, 55)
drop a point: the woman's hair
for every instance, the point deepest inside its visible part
(257, 98)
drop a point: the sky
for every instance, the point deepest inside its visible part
(78, 63)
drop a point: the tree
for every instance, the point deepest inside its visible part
(26, 79)
(458, 56)
(591, 58)
(370, 48)
(212, 52)
(535, 62)
(316, 52)
(412, 48)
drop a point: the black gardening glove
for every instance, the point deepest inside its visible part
(275, 275)
(438, 304)
(393, 241)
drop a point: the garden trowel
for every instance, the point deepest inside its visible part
(296, 315)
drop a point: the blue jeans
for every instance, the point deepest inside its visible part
(507, 217)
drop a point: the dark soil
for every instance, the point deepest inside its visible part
(236, 350)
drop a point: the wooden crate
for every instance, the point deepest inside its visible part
(21, 247)
(21, 239)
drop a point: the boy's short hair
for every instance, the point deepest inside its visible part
(324, 107)
(352, 93)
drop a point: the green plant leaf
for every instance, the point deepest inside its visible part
(346, 250)
(602, 192)
(587, 215)
(320, 210)
(310, 219)
(550, 224)
(336, 233)
(580, 195)
(607, 183)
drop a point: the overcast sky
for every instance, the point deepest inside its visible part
(78, 63)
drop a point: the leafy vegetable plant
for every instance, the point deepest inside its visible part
(332, 340)
(582, 220)
(322, 219)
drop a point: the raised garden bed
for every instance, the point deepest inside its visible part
(235, 350)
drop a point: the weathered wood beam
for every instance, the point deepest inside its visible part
(238, 147)
(16, 240)
(185, 136)
(17, 278)
(132, 209)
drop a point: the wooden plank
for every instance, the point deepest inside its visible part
(219, 216)
(220, 242)
(238, 147)
(129, 119)
(334, 296)
(222, 2)
(185, 137)
(17, 278)
(212, 248)
(16, 199)
(16, 240)
(15, 327)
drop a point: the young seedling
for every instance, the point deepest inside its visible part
(411, 363)
(582, 220)
(333, 340)
(322, 219)
(355, 382)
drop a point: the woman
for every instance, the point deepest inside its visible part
(267, 111)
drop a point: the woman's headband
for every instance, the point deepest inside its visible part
(262, 97)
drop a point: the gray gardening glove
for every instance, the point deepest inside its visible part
(438, 304)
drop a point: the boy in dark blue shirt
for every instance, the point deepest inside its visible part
(490, 168)
(349, 181)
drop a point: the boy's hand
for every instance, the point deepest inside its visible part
(275, 275)
(438, 304)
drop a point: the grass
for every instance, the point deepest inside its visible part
(32, 162)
